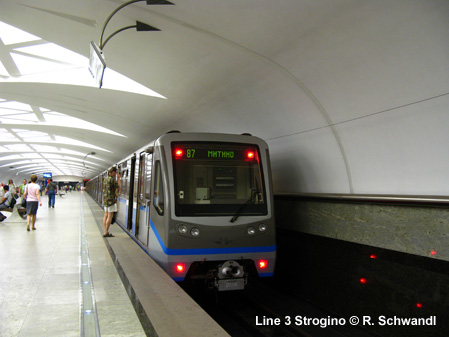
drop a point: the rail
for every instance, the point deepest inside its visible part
(386, 198)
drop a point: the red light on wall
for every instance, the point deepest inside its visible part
(363, 280)
(419, 305)
(263, 264)
(180, 267)
(372, 256)
(250, 155)
(179, 153)
(433, 252)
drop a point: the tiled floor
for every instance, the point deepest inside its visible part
(40, 275)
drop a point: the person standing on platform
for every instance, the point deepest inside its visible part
(111, 190)
(51, 190)
(12, 187)
(33, 198)
(22, 187)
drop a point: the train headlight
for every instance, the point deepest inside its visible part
(182, 229)
(195, 231)
(251, 230)
(262, 227)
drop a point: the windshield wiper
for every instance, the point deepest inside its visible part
(242, 208)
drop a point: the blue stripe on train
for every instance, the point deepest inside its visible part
(209, 251)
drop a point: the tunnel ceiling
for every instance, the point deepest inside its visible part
(351, 96)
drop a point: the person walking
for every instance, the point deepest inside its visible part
(51, 191)
(111, 190)
(33, 198)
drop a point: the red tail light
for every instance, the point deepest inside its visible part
(363, 280)
(179, 153)
(263, 264)
(180, 267)
(250, 155)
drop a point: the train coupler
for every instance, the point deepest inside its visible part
(230, 276)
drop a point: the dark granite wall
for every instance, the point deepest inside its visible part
(414, 229)
(325, 248)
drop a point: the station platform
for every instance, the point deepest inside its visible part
(65, 279)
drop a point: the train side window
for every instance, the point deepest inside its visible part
(158, 195)
(148, 176)
(123, 178)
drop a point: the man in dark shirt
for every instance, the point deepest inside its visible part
(51, 190)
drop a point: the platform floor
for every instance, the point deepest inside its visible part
(40, 275)
(62, 280)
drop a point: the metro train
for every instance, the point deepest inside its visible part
(201, 205)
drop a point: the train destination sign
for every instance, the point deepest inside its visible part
(200, 152)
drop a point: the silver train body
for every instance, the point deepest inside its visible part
(201, 205)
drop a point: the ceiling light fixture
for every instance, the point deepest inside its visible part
(89, 154)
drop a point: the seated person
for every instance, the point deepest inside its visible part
(5, 201)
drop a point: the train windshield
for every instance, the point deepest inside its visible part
(217, 179)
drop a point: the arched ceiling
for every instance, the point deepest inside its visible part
(351, 96)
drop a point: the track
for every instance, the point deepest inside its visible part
(264, 310)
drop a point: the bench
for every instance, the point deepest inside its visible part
(18, 214)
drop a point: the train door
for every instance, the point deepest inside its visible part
(139, 197)
(123, 197)
(131, 193)
(142, 209)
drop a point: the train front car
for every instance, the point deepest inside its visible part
(220, 226)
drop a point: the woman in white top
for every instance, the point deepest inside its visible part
(33, 198)
(12, 187)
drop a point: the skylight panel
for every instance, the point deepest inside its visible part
(44, 148)
(70, 141)
(9, 117)
(22, 162)
(33, 136)
(6, 136)
(17, 147)
(54, 52)
(18, 113)
(54, 156)
(58, 119)
(13, 35)
(32, 65)
(13, 105)
(10, 112)
(82, 161)
(11, 157)
(52, 149)
(32, 169)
